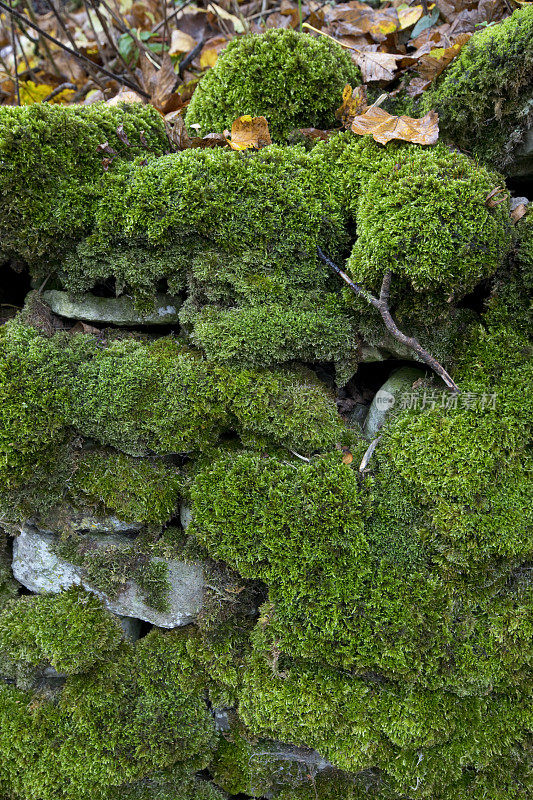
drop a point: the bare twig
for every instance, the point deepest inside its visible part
(151, 56)
(14, 45)
(76, 54)
(109, 35)
(189, 58)
(70, 37)
(368, 454)
(29, 9)
(169, 16)
(382, 305)
(58, 90)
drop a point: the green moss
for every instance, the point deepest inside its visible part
(110, 568)
(424, 218)
(484, 98)
(272, 334)
(141, 713)
(469, 465)
(71, 631)
(290, 78)
(50, 165)
(137, 490)
(359, 723)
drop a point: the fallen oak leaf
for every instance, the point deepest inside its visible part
(249, 132)
(383, 127)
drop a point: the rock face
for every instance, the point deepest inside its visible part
(39, 569)
(401, 380)
(85, 522)
(112, 310)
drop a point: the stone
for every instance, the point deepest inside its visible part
(112, 310)
(131, 628)
(39, 569)
(185, 516)
(82, 521)
(399, 381)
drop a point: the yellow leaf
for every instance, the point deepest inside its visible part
(383, 127)
(31, 92)
(249, 132)
(208, 58)
(408, 15)
(181, 42)
(353, 104)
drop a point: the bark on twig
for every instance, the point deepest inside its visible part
(382, 305)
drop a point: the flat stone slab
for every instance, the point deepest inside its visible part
(112, 310)
(39, 569)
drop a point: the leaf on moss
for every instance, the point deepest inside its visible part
(354, 103)
(249, 132)
(383, 127)
(433, 63)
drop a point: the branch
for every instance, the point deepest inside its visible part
(382, 305)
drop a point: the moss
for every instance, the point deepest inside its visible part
(144, 396)
(290, 78)
(137, 490)
(71, 631)
(424, 218)
(469, 466)
(273, 334)
(49, 166)
(140, 714)
(8, 587)
(484, 97)
(359, 723)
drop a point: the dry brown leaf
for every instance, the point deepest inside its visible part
(383, 127)
(353, 104)
(180, 139)
(181, 42)
(518, 212)
(377, 66)
(125, 96)
(163, 82)
(249, 132)
(433, 63)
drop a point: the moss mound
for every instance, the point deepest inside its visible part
(50, 160)
(484, 99)
(292, 79)
(71, 631)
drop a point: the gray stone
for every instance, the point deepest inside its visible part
(131, 628)
(81, 521)
(401, 380)
(185, 516)
(112, 310)
(39, 569)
